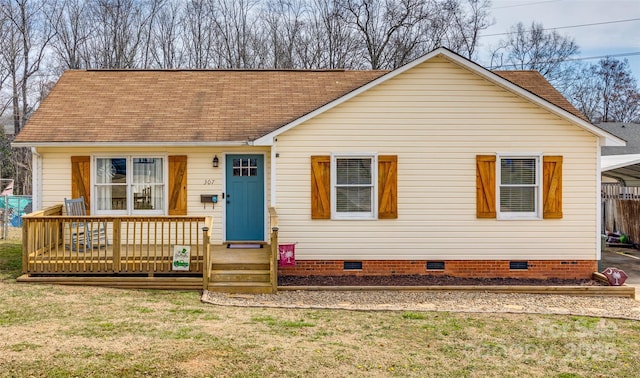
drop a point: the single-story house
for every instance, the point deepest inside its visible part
(438, 167)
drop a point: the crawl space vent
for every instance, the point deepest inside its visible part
(518, 265)
(353, 265)
(435, 265)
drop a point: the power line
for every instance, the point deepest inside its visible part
(573, 26)
(606, 56)
(581, 58)
(526, 4)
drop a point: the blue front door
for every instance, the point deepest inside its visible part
(245, 197)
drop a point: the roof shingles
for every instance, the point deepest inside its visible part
(185, 106)
(534, 82)
(182, 106)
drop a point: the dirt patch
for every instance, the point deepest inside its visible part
(423, 280)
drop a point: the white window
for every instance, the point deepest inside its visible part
(519, 189)
(129, 185)
(353, 188)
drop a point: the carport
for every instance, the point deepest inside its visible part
(625, 169)
(621, 194)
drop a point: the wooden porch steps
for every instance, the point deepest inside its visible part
(240, 271)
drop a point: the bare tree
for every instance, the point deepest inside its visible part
(536, 49)
(6, 46)
(468, 19)
(331, 40)
(70, 21)
(236, 35)
(199, 33)
(119, 33)
(23, 52)
(26, 41)
(283, 31)
(583, 93)
(166, 48)
(607, 92)
(383, 28)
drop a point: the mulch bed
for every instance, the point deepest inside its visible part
(424, 280)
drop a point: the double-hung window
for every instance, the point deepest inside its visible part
(354, 186)
(519, 187)
(130, 185)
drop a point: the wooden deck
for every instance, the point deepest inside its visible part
(232, 270)
(138, 252)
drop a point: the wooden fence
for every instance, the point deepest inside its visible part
(621, 210)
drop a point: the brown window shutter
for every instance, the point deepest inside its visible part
(387, 187)
(178, 185)
(81, 179)
(552, 187)
(486, 186)
(320, 187)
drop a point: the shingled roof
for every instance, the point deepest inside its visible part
(182, 105)
(534, 82)
(207, 106)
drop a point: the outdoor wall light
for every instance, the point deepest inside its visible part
(215, 161)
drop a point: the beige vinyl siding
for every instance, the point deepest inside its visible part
(56, 177)
(436, 118)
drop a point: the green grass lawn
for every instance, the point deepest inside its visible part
(63, 331)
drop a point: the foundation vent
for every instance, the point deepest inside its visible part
(353, 265)
(435, 265)
(518, 265)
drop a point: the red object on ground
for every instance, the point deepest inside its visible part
(287, 254)
(615, 276)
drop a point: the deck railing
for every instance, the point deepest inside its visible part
(57, 244)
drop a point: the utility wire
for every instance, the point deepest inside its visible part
(526, 4)
(572, 26)
(606, 56)
(577, 59)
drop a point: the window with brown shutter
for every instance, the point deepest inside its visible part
(354, 187)
(130, 184)
(509, 187)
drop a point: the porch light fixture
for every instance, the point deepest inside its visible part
(215, 161)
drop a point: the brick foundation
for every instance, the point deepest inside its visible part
(564, 269)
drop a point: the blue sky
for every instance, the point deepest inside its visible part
(595, 40)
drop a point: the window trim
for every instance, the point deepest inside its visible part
(535, 215)
(129, 161)
(373, 214)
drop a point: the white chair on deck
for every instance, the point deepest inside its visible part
(84, 235)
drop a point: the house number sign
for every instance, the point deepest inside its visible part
(209, 181)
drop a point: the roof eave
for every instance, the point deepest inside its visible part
(132, 144)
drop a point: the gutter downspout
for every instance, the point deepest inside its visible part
(36, 178)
